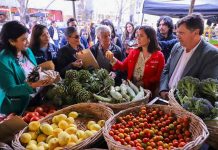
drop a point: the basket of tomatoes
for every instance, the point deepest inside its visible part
(154, 127)
(74, 127)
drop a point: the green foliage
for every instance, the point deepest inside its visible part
(209, 89)
(198, 96)
(78, 86)
(188, 86)
(102, 74)
(109, 81)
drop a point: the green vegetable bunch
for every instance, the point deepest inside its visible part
(198, 96)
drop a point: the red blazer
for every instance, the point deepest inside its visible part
(153, 68)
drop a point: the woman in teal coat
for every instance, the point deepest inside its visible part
(16, 62)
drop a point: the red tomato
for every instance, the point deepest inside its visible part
(39, 110)
(145, 140)
(133, 136)
(36, 113)
(175, 143)
(35, 118)
(127, 139)
(111, 133)
(126, 130)
(187, 133)
(181, 144)
(30, 115)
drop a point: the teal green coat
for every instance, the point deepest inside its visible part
(14, 92)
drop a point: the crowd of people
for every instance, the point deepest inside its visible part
(153, 60)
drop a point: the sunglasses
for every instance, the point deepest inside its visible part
(75, 37)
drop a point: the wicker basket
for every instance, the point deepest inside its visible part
(212, 140)
(122, 106)
(97, 110)
(197, 127)
(172, 99)
(213, 129)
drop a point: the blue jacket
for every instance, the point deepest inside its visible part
(13, 87)
(40, 56)
(166, 44)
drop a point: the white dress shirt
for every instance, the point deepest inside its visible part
(178, 71)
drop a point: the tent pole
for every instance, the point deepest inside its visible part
(142, 18)
(191, 7)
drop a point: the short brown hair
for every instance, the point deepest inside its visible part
(192, 22)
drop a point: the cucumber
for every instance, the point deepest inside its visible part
(102, 99)
(117, 88)
(123, 89)
(140, 95)
(130, 91)
(135, 88)
(116, 95)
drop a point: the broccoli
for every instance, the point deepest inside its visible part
(209, 89)
(188, 86)
(189, 103)
(203, 108)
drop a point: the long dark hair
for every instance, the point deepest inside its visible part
(35, 37)
(168, 21)
(151, 34)
(126, 33)
(11, 31)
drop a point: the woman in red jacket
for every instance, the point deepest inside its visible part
(144, 64)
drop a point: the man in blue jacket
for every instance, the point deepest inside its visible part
(72, 22)
(165, 35)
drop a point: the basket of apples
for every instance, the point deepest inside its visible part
(154, 127)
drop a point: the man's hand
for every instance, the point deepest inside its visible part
(78, 63)
(164, 95)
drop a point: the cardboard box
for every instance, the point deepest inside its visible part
(10, 127)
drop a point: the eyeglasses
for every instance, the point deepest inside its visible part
(75, 37)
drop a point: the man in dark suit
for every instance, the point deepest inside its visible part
(192, 56)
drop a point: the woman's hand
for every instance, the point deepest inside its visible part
(78, 63)
(41, 83)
